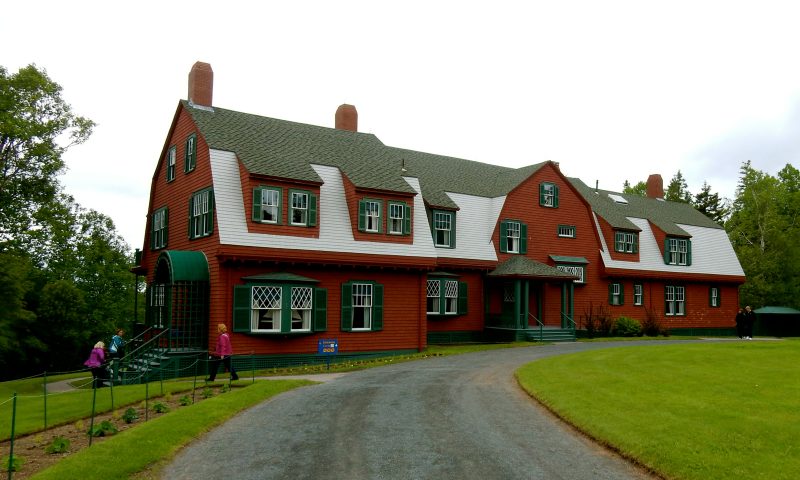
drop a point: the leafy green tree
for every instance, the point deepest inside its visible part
(765, 235)
(638, 189)
(710, 204)
(33, 119)
(678, 190)
(19, 345)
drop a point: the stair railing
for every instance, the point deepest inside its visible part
(572, 325)
(141, 351)
(541, 325)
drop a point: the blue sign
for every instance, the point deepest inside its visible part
(328, 346)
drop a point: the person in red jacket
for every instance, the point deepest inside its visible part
(222, 354)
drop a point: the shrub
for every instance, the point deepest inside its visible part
(185, 400)
(16, 463)
(105, 428)
(59, 445)
(226, 388)
(605, 324)
(160, 407)
(589, 321)
(130, 415)
(207, 393)
(627, 327)
(651, 326)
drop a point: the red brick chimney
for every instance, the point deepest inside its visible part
(655, 186)
(347, 118)
(201, 84)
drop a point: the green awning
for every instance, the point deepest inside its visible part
(563, 259)
(185, 266)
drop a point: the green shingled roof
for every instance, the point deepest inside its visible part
(286, 149)
(520, 266)
(665, 215)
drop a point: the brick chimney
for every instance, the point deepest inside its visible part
(201, 84)
(347, 118)
(655, 186)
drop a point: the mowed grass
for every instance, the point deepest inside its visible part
(695, 411)
(153, 442)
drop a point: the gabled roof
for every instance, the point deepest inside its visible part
(283, 149)
(520, 266)
(663, 214)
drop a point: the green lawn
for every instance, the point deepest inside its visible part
(699, 411)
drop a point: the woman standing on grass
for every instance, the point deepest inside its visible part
(95, 364)
(222, 354)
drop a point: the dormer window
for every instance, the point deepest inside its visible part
(626, 242)
(444, 229)
(548, 195)
(267, 204)
(677, 251)
(399, 218)
(302, 208)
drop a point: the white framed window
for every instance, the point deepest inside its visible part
(171, 154)
(270, 205)
(566, 231)
(713, 297)
(638, 294)
(159, 229)
(433, 294)
(372, 216)
(301, 308)
(201, 220)
(615, 294)
(396, 218)
(625, 242)
(266, 308)
(548, 195)
(362, 306)
(299, 214)
(674, 300)
(512, 237)
(158, 311)
(443, 227)
(190, 153)
(678, 252)
(451, 297)
(577, 270)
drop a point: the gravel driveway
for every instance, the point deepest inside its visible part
(461, 417)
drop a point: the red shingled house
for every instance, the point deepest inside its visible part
(290, 233)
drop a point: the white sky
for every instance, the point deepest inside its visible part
(612, 90)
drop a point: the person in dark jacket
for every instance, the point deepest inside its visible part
(740, 319)
(750, 320)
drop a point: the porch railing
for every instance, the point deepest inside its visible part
(571, 324)
(136, 363)
(539, 322)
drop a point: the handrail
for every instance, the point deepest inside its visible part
(147, 343)
(574, 326)
(541, 324)
(138, 338)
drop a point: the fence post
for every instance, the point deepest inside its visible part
(253, 365)
(13, 421)
(194, 383)
(94, 402)
(146, 401)
(45, 399)
(111, 387)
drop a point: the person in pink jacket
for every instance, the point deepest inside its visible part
(95, 364)
(222, 354)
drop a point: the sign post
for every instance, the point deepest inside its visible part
(328, 347)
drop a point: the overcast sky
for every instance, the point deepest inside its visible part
(611, 90)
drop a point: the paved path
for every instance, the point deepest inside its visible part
(461, 417)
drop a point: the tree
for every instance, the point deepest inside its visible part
(19, 345)
(33, 118)
(678, 190)
(710, 205)
(638, 189)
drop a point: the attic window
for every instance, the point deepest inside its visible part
(617, 198)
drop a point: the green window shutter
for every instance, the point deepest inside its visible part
(381, 217)
(257, 204)
(241, 308)
(406, 220)
(210, 218)
(719, 297)
(312, 209)
(362, 215)
(541, 194)
(347, 307)
(377, 307)
(710, 296)
(621, 294)
(320, 321)
(555, 196)
(286, 309)
(666, 250)
(462, 298)
(523, 238)
(166, 228)
(153, 231)
(453, 230)
(191, 219)
(666, 302)
(504, 237)
(635, 242)
(688, 251)
(618, 246)
(611, 294)
(442, 298)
